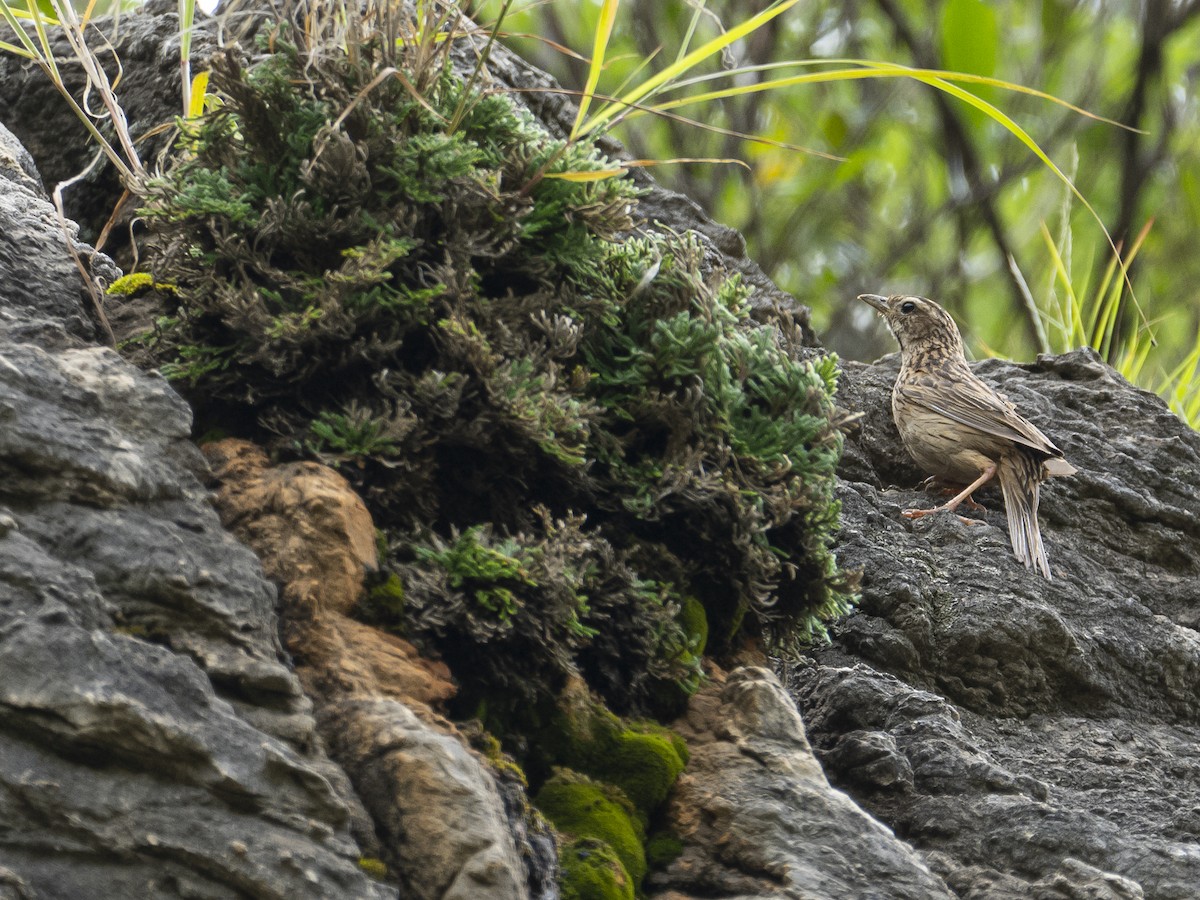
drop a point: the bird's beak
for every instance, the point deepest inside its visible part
(875, 300)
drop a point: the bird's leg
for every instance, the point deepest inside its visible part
(953, 503)
(933, 483)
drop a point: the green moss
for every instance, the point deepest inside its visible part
(385, 591)
(694, 622)
(643, 758)
(487, 744)
(643, 764)
(590, 870)
(138, 283)
(582, 808)
(376, 868)
(662, 849)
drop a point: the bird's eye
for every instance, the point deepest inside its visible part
(907, 306)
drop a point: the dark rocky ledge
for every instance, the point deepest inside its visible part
(1031, 738)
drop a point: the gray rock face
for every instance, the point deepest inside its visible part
(759, 819)
(432, 802)
(1033, 738)
(153, 743)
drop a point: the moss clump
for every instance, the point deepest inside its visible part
(581, 808)
(641, 758)
(590, 870)
(662, 849)
(137, 283)
(644, 763)
(385, 590)
(564, 434)
(376, 868)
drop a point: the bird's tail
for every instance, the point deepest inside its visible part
(1020, 476)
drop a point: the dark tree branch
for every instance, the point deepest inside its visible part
(961, 155)
(1161, 19)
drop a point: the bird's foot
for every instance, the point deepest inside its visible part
(933, 484)
(971, 504)
(921, 513)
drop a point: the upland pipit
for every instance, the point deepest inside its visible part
(960, 430)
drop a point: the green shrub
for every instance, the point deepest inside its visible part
(515, 616)
(565, 427)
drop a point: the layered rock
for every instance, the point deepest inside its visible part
(438, 809)
(758, 817)
(153, 740)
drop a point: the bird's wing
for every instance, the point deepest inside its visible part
(976, 405)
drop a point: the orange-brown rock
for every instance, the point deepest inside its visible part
(316, 539)
(437, 813)
(311, 530)
(338, 656)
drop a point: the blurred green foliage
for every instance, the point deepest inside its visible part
(928, 195)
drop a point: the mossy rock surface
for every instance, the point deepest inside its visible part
(642, 758)
(662, 849)
(590, 870)
(582, 808)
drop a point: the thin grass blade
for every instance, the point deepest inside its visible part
(604, 28)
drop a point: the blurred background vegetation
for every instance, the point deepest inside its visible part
(926, 194)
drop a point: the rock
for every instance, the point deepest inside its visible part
(445, 826)
(311, 530)
(758, 817)
(153, 741)
(1031, 738)
(34, 252)
(438, 811)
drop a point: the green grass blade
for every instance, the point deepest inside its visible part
(1185, 368)
(1069, 322)
(187, 17)
(681, 66)
(28, 48)
(886, 70)
(604, 28)
(693, 24)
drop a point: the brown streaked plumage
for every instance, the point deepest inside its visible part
(959, 429)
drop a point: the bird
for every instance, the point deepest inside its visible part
(959, 430)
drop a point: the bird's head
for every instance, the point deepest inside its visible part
(921, 326)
